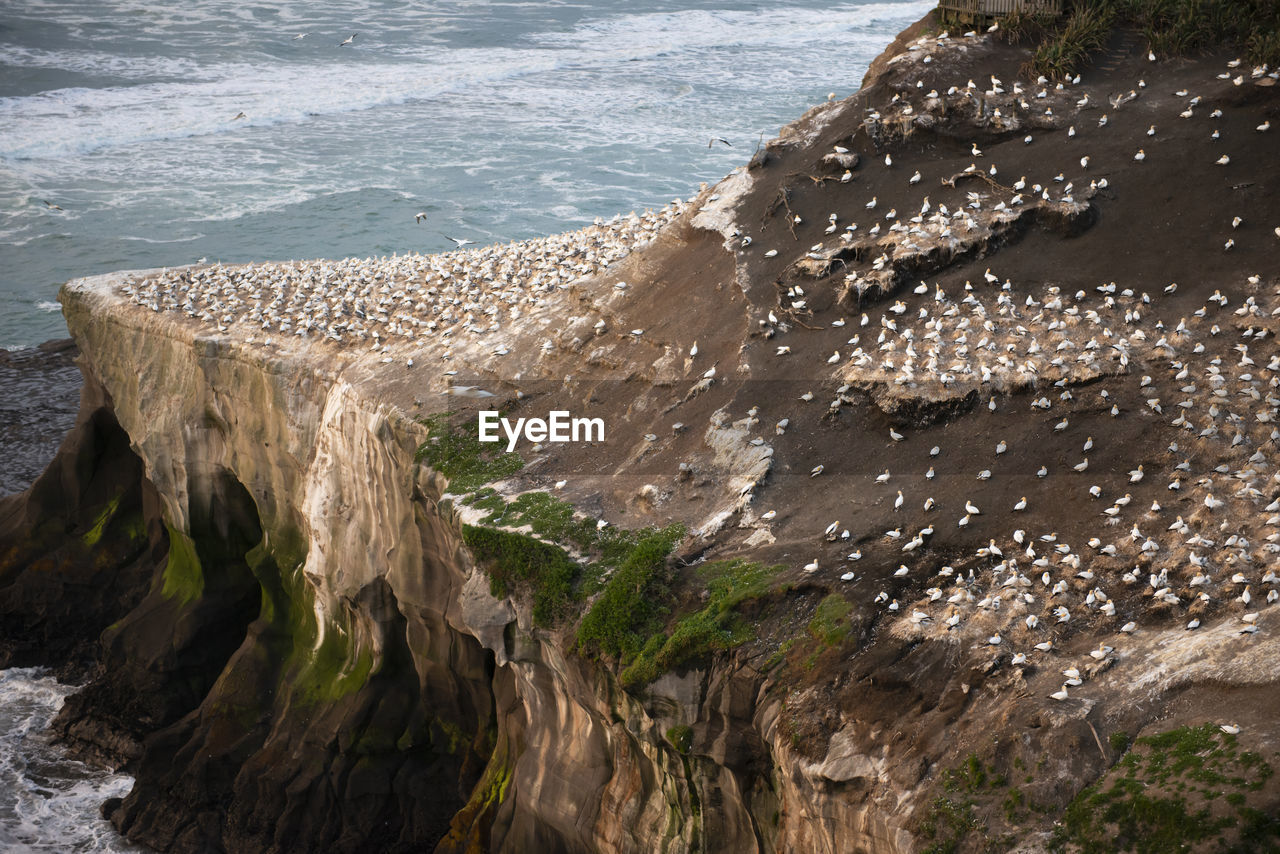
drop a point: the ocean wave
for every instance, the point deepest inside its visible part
(48, 802)
(77, 121)
(699, 29)
(9, 237)
(185, 239)
(46, 305)
(105, 64)
(81, 120)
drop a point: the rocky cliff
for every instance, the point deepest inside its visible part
(941, 401)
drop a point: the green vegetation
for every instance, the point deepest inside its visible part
(681, 738)
(337, 667)
(831, 622)
(460, 456)
(538, 564)
(1162, 798)
(626, 571)
(547, 516)
(1013, 803)
(633, 600)
(971, 790)
(516, 562)
(497, 779)
(1119, 741)
(115, 531)
(780, 654)
(717, 626)
(972, 776)
(183, 578)
(1171, 28)
(1178, 27)
(321, 662)
(554, 521)
(1084, 32)
(487, 795)
(94, 534)
(947, 823)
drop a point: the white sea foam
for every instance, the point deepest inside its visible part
(503, 119)
(184, 239)
(47, 305)
(48, 802)
(698, 29)
(102, 64)
(76, 121)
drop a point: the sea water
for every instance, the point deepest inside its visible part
(120, 148)
(48, 802)
(498, 120)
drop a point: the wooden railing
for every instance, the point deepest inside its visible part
(981, 9)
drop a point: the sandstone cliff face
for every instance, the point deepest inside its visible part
(325, 666)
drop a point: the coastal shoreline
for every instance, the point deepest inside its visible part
(899, 439)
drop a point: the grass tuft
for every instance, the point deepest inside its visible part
(1171, 27)
(460, 456)
(718, 626)
(1067, 49)
(832, 623)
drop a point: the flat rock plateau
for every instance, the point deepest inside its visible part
(936, 509)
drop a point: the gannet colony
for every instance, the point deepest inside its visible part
(411, 297)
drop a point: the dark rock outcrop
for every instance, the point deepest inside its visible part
(78, 549)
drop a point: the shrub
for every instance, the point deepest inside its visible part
(634, 599)
(521, 562)
(1171, 28)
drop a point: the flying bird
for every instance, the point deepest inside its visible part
(469, 391)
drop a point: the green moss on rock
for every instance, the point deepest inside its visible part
(94, 534)
(183, 578)
(681, 738)
(322, 662)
